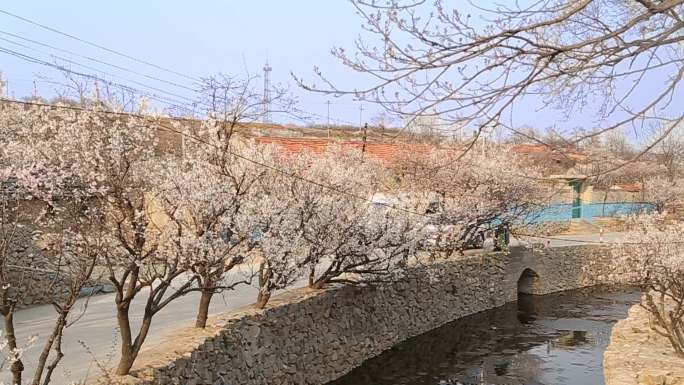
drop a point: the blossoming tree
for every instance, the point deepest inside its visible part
(333, 232)
(207, 195)
(663, 192)
(654, 258)
(114, 156)
(467, 193)
(49, 239)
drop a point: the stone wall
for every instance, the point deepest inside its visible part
(639, 356)
(313, 337)
(33, 278)
(26, 269)
(561, 268)
(41, 287)
(35, 287)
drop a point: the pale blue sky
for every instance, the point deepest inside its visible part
(203, 37)
(198, 38)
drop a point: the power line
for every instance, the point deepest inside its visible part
(93, 77)
(118, 67)
(324, 117)
(102, 72)
(84, 109)
(127, 56)
(188, 104)
(141, 61)
(74, 37)
(231, 152)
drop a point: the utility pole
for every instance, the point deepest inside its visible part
(97, 91)
(365, 138)
(361, 115)
(267, 92)
(328, 103)
(4, 91)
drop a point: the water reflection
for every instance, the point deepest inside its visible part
(556, 339)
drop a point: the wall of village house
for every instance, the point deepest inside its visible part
(612, 196)
(590, 194)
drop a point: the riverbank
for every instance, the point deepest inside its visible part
(315, 337)
(639, 356)
(554, 339)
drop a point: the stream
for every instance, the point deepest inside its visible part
(556, 339)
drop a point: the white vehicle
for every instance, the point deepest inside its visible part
(441, 237)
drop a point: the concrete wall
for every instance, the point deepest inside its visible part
(590, 194)
(308, 337)
(611, 196)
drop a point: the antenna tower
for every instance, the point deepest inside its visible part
(267, 93)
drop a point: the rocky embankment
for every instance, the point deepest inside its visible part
(639, 356)
(314, 337)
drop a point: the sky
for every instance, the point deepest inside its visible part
(200, 38)
(197, 38)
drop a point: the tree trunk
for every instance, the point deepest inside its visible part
(318, 285)
(137, 344)
(55, 360)
(312, 275)
(42, 360)
(17, 367)
(126, 360)
(262, 299)
(128, 357)
(203, 312)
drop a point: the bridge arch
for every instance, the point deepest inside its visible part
(529, 282)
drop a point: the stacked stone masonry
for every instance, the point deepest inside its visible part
(313, 337)
(35, 280)
(29, 272)
(639, 356)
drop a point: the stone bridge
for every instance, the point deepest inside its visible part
(549, 270)
(313, 337)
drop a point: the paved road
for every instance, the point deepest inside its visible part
(570, 240)
(93, 338)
